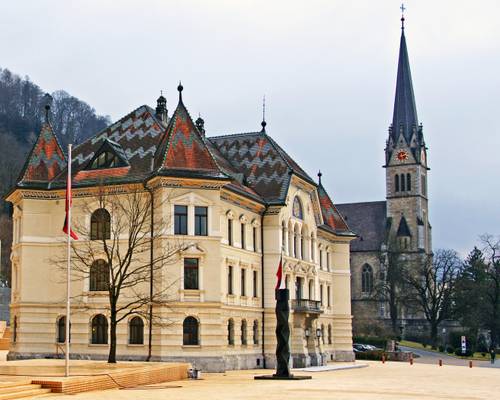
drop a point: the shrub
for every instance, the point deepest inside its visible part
(441, 349)
(370, 355)
(450, 349)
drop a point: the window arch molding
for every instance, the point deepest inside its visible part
(100, 225)
(136, 330)
(366, 279)
(191, 331)
(99, 329)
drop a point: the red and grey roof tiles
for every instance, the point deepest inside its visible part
(253, 164)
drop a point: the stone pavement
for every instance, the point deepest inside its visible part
(391, 380)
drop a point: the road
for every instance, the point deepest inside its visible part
(430, 357)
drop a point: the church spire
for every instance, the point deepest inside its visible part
(405, 111)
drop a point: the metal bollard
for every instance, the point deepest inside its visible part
(411, 360)
(440, 362)
(383, 358)
(470, 364)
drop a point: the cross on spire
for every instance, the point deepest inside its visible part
(403, 9)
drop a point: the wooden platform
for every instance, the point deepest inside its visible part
(90, 375)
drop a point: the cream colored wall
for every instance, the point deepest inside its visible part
(39, 286)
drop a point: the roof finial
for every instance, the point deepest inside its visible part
(319, 177)
(180, 88)
(264, 123)
(47, 99)
(403, 9)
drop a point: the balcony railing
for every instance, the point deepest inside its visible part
(306, 305)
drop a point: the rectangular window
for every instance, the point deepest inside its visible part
(230, 280)
(243, 281)
(321, 259)
(191, 273)
(254, 238)
(328, 261)
(243, 244)
(321, 294)
(180, 220)
(200, 221)
(255, 276)
(328, 301)
(230, 232)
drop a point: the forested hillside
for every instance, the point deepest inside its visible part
(21, 114)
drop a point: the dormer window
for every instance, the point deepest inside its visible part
(105, 160)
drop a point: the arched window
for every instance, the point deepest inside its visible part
(100, 225)
(303, 237)
(283, 236)
(99, 329)
(255, 332)
(408, 181)
(61, 330)
(297, 208)
(136, 331)
(230, 232)
(99, 276)
(402, 182)
(190, 332)
(330, 334)
(323, 333)
(230, 332)
(367, 279)
(396, 182)
(244, 332)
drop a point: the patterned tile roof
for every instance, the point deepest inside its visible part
(332, 220)
(134, 137)
(266, 166)
(183, 148)
(46, 159)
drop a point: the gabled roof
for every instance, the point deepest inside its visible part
(368, 221)
(45, 161)
(332, 219)
(183, 149)
(405, 110)
(134, 137)
(266, 167)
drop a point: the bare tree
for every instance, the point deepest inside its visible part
(126, 239)
(432, 283)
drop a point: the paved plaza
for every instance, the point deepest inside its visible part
(377, 381)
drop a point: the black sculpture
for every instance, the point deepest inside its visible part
(282, 334)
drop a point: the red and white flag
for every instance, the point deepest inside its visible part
(69, 200)
(280, 284)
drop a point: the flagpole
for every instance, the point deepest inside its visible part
(68, 273)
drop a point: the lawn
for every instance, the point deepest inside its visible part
(415, 345)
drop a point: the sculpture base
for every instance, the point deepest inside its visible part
(284, 378)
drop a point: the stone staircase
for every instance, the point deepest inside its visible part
(21, 390)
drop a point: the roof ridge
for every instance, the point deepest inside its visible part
(234, 135)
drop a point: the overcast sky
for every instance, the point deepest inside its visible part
(327, 68)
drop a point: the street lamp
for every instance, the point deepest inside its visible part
(307, 333)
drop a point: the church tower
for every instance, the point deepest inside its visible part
(406, 166)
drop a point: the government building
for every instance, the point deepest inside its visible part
(234, 204)
(397, 226)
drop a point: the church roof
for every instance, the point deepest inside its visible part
(405, 110)
(265, 166)
(45, 161)
(368, 220)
